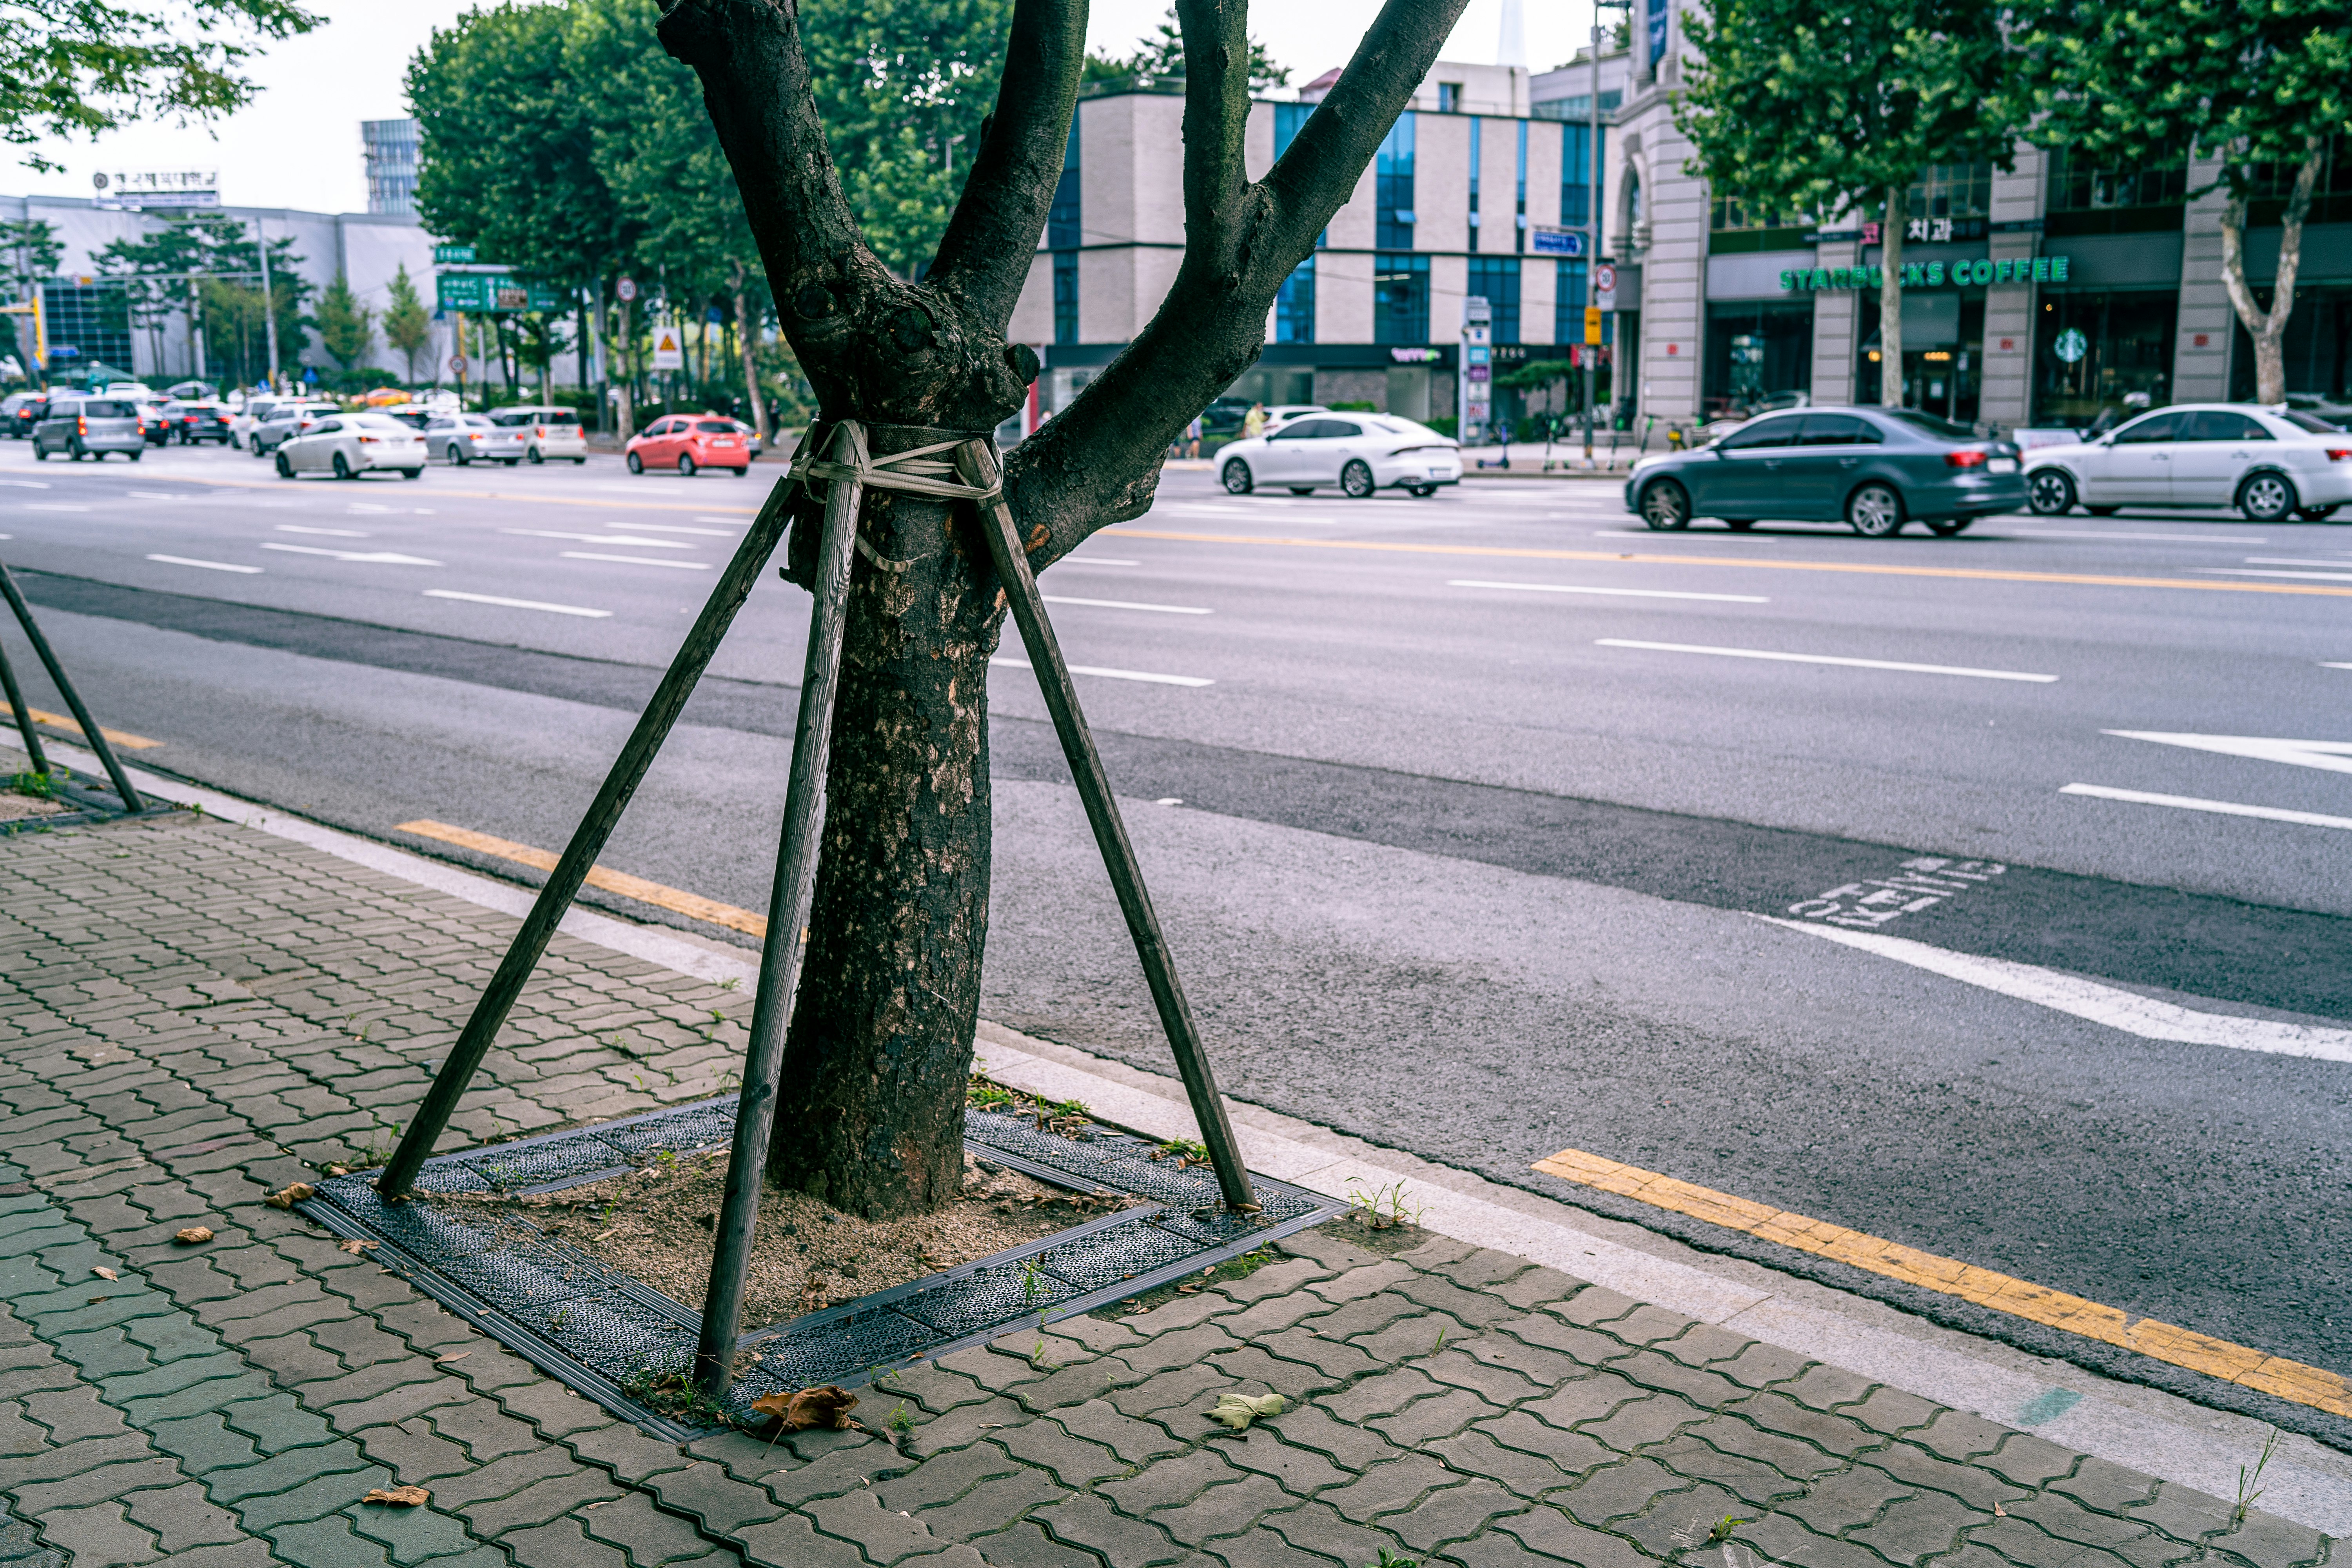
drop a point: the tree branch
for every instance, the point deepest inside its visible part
(990, 239)
(1097, 462)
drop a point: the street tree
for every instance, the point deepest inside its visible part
(407, 326)
(154, 269)
(82, 66)
(875, 1058)
(1160, 59)
(2261, 86)
(346, 329)
(30, 253)
(1825, 111)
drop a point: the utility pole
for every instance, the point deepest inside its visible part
(268, 301)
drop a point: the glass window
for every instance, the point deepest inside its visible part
(2093, 352)
(1401, 299)
(106, 411)
(1781, 431)
(715, 427)
(2076, 184)
(2317, 351)
(1066, 296)
(1731, 214)
(1477, 151)
(558, 416)
(1952, 190)
(2311, 422)
(327, 427)
(2155, 427)
(1933, 424)
(1336, 429)
(1568, 299)
(1496, 278)
(1755, 352)
(1289, 118)
(1392, 187)
(2219, 424)
(1836, 430)
(1294, 308)
(1576, 173)
(1062, 225)
(1299, 430)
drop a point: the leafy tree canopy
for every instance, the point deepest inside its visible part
(1160, 58)
(346, 329)
(29, 251)
(81, 67)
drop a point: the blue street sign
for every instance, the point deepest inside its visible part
(1545, 241)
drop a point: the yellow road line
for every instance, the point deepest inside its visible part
(689, 904)
(123, 738)
(1976, 573)
(2055, 1309)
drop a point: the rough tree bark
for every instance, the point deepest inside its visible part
(2268, 328)
(870, 1114)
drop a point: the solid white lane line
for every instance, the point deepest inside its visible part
(1013, 663)
(653, 528)
(25, 484)
(599, 538)
(515, 604)
(1124, 605)
(2108, 1004)
(208, 566)
(1828, 658)
(2326, 665)
(2156, 538)
(746, 522)
(40, 506)
(2335, 756)
(1096, 561)
(374, 557)
(2342, 565)
(325, 532)
(1618, 593)
(634, 560)
(2219, 807)
(2306, 577)
(160, 495)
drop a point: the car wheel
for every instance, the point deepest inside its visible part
(742, 472)
(1874, 512)
(412, 473)
(1237, 478)
(1666, 505)
(637, 464)
(2266, 497)
(2103, 511)
(139, 454)
(76, 452)
(462, 457)
(578, 462)
(343, 467)
(686, 465)
(285, 468)
(1357, 480)
(535, 458)
(2315, 513)
(2050, 492)
(1945, 527)
(40, 453)
(236, 444)
(1739, 524)
(510, 462)
(1302, 489)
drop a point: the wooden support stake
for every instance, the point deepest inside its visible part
(93, 736)
(978, 462)
(780, 957)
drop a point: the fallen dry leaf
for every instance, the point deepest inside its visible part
(193, 1235)
(400, 1497)
(356, 1247)
(290, 1196)
(452, 1355)
(1238, 1410)
(104, 1272)
(809, 1409)
(1998, 1512)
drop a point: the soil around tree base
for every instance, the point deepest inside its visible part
(658, 1226)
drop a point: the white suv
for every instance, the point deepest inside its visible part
(2268, 462)
(547, 431)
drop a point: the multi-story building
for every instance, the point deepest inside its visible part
(2045, 294)
(390, 149)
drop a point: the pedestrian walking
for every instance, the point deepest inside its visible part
(1254, 422)
(1192, 437)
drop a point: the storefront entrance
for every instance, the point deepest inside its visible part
(1943, 355)
(2101, 352)
(1758, 355)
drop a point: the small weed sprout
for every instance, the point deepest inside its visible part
(1723, 1527)
(1390, 1559)
(1381, 1208)
(900, 1421)
(732, 983)
(1184, 1150)
(40, 786)
(2250, 1480)
(985, 1096)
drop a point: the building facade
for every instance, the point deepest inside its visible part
(2043, 296)
(391, 150)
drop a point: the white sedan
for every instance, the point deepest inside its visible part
(1360, 453)
(349, 444)
(2268, 462)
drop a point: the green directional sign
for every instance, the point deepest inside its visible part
(483, 293)
(453, 256)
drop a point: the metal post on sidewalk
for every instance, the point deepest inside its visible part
(91, 734)
(33, 753)
(979, 463)
(588, 841)
(780, 954)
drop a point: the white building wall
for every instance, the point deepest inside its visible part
(2204, 339)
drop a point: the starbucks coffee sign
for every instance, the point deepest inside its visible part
(1927, 275)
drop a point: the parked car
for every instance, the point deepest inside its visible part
(350, 445)
(690, 442)
(750, 434)
(1360, 453)
(90, 426)
(193, 391)
(285, 422)
(463, 438)
(2266, 462)
(251, 412)
(1876, 469)
(415, 415)
(1282, 414)
(20, 411)
(193, 420)
(548, 431)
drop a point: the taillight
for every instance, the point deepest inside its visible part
(539, 431)
(370, 440)
(81, 425)
(473, 436)
(2340, 454)
(1964, 460)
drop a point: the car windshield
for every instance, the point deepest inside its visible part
(525, 417)
(716, 428)
(558, 416)
(1933, 424)
(2311, 422)
(96, 410)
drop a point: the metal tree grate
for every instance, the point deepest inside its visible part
(603, 1333)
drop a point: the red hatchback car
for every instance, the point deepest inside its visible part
(688, 442)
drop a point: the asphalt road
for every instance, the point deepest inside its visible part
(1460, 814)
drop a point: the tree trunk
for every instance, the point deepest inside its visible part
(870, 1115)
(1890, 297)
(625, 415)
(744, 338)
(2268, 328)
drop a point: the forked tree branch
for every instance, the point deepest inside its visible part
(992, 239)
(1097, 462)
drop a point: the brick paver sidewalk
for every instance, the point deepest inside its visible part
(193, 1010)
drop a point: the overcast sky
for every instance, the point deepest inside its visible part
(297, 143)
